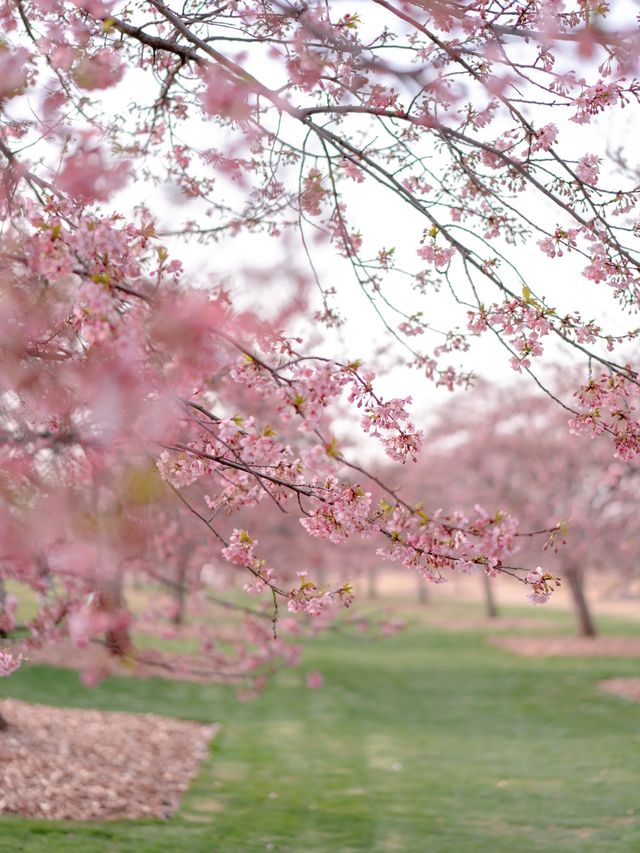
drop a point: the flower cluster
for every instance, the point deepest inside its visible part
(434, 545)
(314, 601)
(543, 584)
(544, 138)
(588, 169)
(8, 662)
(439, 256)
(610, 402)
(240, 549)
(595, 99)
(388, 420)
(340, 511)
(562, 239)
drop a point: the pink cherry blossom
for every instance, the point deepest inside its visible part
(88, 176)
(544, 138)
(185, 422)
(315, 680)
(588, 168)
(100, 71)
(595, 99)
(8, 662)
(13, 72)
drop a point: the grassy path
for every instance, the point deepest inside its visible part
(429, 741)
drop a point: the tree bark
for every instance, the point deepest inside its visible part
(180, 595)
(423, 594)
(490, 606)
(3, 598)
(586, 625)
(117, 640)
(372, 583)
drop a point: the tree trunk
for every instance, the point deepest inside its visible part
(180, 595)
(118, 639)
(3, 598)
(423, 593)
(586, 625)
(372, 583)
(490, 606)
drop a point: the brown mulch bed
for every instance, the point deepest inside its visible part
(95, 765)
(628, 688)
(549, 645)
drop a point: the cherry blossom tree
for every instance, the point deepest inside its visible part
(517, 455)
(426, 145)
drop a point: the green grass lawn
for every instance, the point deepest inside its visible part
(428, 741)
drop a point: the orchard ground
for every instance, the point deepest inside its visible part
(431, 740)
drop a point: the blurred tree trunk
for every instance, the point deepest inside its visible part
(372, 583)
(3, 634)
(575, 580)
(423, 594)
(111, 598)
(179, 587)
(490, 606)
(180, 594)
